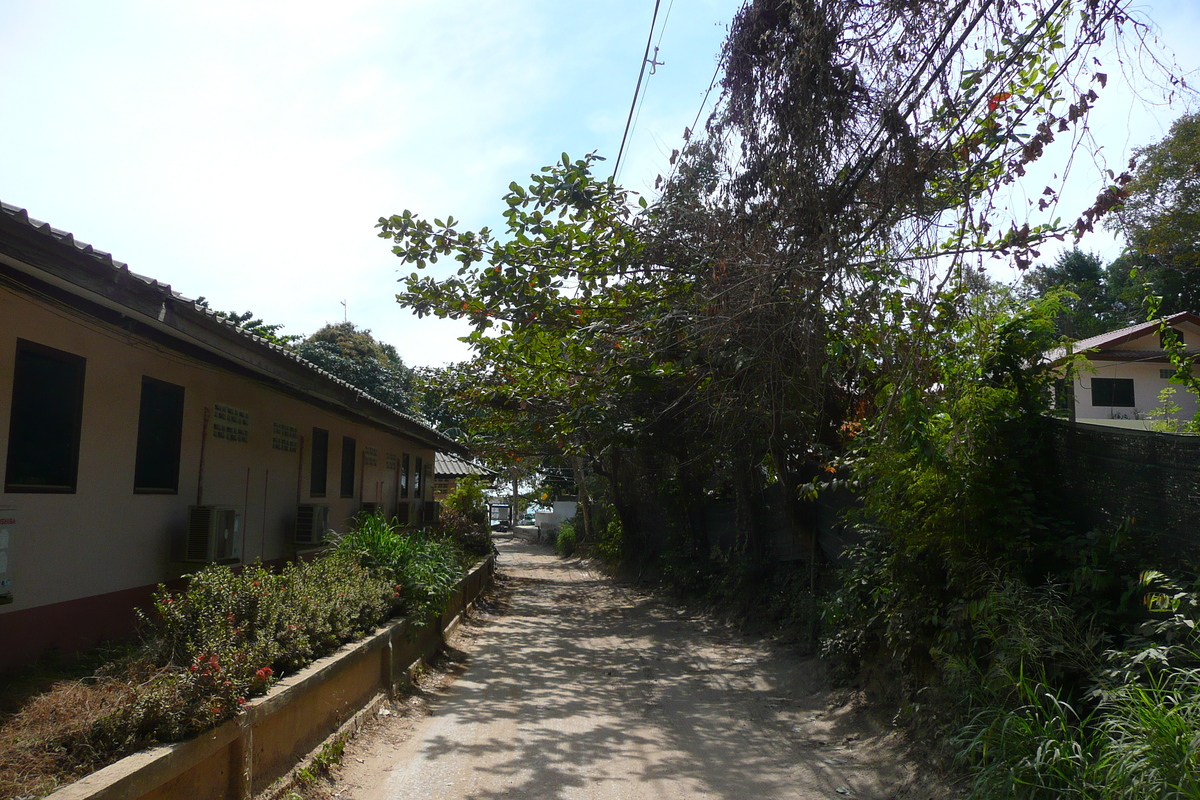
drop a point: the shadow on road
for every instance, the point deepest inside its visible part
(586, 689)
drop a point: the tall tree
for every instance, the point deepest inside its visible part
(1093, 309)
(790, 284)
(355, 356)
(1160, 218)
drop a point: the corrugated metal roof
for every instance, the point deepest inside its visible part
(449, 465)
(1114, 338)
(211, 318)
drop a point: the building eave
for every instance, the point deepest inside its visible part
(54, 258)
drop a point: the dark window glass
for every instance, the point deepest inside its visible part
(1169, 336)
(47, 414)
(1112, 392)
(320, 462)
(405, 467)
(349, 447)
(417, 479)
(160, 430)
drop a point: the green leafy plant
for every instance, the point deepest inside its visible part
(422, 569)
(565, 541)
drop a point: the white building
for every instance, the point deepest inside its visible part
(1128, 371)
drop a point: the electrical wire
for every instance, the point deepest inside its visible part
(636, 90)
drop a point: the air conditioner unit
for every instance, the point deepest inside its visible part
(212, 534)
(311, 523)
(371, 509)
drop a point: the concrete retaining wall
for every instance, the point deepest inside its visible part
(242, 757)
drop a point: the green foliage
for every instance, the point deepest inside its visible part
(1161, 212)
(1158, 217)
(1043, 749)
(1151, 731)
(795, 305)
(422, 569)
(469, 534)
(565, 540)
(252, 324)
(608, 547)
(965, 584)
(952, 464)
(468, 499)
(1090, 306)
(356, 357)
(229, 635)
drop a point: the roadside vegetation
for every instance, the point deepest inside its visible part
(224, 638)
(800, 326)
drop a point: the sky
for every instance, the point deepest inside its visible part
(243, 151)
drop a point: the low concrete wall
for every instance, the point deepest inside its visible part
(243, 756)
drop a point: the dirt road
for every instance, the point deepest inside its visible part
(584, 689)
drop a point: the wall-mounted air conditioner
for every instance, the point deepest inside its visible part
(213, 534)
(311, 523)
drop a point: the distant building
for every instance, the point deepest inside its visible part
(144, 436)
(1129, 370)
(448, 468)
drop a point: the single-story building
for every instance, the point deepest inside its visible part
(1129, 368)
(145, 436)
(449, 468)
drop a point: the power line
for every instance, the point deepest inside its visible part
(637, 89)
(692, 130)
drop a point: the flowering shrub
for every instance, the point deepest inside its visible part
(228, 634)
(224, 638)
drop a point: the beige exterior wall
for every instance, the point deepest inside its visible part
(1147, 380)
(104, 538)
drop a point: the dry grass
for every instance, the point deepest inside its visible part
(53, 739)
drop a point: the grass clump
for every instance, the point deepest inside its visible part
(421, 568)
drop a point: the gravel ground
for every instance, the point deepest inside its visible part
(566, 685)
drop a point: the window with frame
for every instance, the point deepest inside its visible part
(417, 485)
(160, 431)
(1116, 392)
(405, 467)
(319, 473)
(349, 450)
(45, 421)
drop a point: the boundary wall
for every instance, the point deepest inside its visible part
(242, 757)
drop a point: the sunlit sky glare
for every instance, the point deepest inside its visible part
(243, 151)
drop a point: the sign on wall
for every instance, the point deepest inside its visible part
(231, 424)
(8, 524)
(285, 437)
